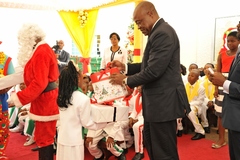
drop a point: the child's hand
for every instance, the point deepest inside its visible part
(88, 140)
(22, 110)
(23, 113)
(110, 142)
(210, 104)
(130, 122)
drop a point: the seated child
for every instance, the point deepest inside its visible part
(113, 132)
(209, 98)
(136, 123)
(196, 95)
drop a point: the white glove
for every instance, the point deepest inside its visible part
(9, 100)
(13, 99)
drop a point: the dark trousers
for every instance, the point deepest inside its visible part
(160, 140)
(46, 153)
(234, 144)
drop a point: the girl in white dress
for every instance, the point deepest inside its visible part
(75, 111)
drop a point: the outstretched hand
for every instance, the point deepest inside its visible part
(110, 142)
(217, 78)
(88, 141)
(120, 66)
(117, 78)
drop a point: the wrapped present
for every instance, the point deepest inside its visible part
(104, 91)
(105, 113)
(12, 79)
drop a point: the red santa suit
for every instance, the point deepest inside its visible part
(39, 71)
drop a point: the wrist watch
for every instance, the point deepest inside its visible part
(125, 81)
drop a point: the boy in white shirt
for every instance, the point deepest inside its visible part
(196, 95)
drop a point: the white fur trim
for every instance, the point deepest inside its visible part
(14, 98)
(43, 118)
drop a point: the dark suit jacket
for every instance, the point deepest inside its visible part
(164, 95)
(231, 101)
(64, 58)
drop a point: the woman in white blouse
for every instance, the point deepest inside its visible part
(115, 52)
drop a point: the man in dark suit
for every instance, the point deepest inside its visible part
(164, 97)
(62, 56)
(231, 105)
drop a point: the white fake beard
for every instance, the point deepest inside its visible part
(25, 53)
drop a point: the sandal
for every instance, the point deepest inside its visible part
(216, 146)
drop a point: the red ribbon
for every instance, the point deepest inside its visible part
(138, 104)
(85, 62)
(98, 75)
(108, 65)
(109, 103)
(93, 101)
(127, 98)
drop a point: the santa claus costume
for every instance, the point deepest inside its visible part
(40, 74)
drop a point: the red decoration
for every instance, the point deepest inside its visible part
(85, 62)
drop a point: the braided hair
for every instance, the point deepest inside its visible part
(68, 83)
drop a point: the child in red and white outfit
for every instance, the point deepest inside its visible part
(127, 101)
(136, 123)
(113, 132)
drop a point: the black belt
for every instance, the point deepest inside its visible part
(114, 114)
(50, 86)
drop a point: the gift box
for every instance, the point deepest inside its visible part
(105, 113)
(104, 91)
(12, 79)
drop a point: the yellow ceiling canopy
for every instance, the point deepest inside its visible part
(61, 5)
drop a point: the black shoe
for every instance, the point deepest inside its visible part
(101, 158)
(13, 126)
(122, 157)
(179, 133)
(125, 151)
(198, 136)
(35, 149)
(138, 156)
(206, 129)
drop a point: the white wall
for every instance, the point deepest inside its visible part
(12, 19)
(114, 19)
(193, 21)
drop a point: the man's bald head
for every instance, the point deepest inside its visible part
(145, 16)
(60, 44)
(143, 6)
